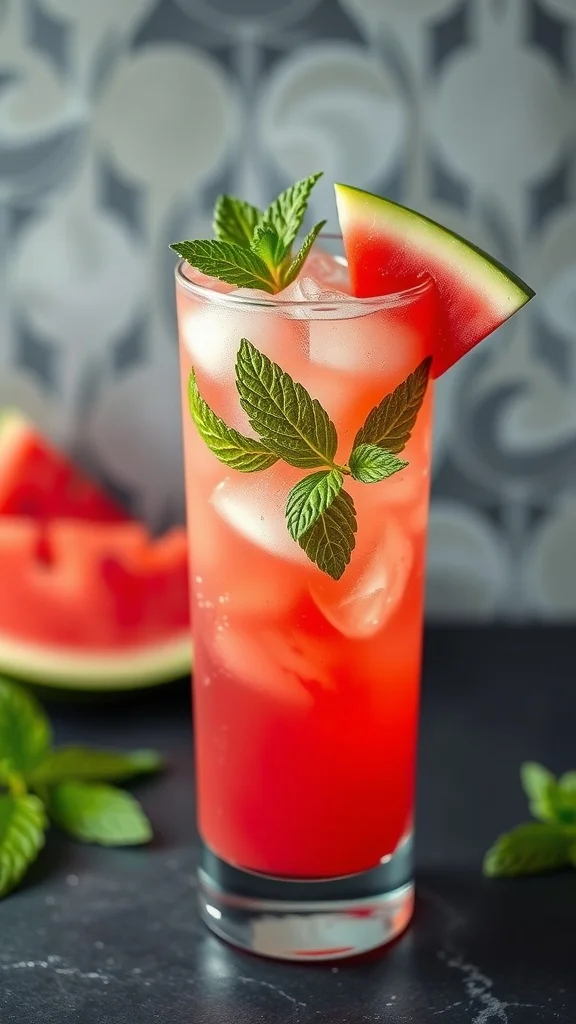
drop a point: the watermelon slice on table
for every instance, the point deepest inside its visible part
(107, 610)
(389, 247)
(39, 481)
(89, 600)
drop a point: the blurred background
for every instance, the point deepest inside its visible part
(120, 122)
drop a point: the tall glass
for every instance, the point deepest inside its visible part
(305, 688)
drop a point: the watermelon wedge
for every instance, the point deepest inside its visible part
(39, 481)
(389, 247)
(106, 610)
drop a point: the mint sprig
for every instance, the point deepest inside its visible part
(547, 844)
(253, 247)
(64, 784)
(295, 427)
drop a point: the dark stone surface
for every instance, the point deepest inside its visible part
(100, 936)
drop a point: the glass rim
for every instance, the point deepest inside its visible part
(397, 298)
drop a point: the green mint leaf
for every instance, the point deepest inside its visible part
(242, 453)
(287, 212)
(268, 245)
(370, 464)
(302, 255)
(291, 423)
(97, 813)
(564, 800)
(228, 262)
(567, 783)
(530, 849)
(22, 826)
(390, 424)
(76, 763)
(540, 787)
(310, 498)
(25, 734)
(235, 220)
(329, 543)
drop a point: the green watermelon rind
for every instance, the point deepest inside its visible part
(135, 668)
(499, 286)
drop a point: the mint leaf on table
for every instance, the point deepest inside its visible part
(98, 813)
(23, 823)
(299, 260)
(229, 446)
(85, 763)
(88, 810)
(25, 733)
(539, 785)
(228, 262)
(286, 213)
(390, 424)
(369, 464)
(289, 421)
(544, 845)
(310, 498)
(330, 541)
(235, 220)
(530, 849)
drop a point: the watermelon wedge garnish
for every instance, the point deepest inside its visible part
(389, 247)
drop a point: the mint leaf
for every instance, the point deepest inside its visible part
(22, 827)
(287, 212)
(390, 424)
(539, 785)
(530, 849)
(25, 734)
(234, 220)
(329, 543)
(369, 463)
(268, 245)
(97, 813)
(77, 763)
(291, 423)
(298, 262)
(228, 262)
(310, 498)
(242, 453)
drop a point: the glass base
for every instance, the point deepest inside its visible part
(307, 920)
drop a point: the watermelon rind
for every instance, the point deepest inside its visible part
(136, 668)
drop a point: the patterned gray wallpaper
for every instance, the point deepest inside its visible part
(121, 120)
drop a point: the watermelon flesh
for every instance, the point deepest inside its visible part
(39, 481)
(107, 609)
(390, 247)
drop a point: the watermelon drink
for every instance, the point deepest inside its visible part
(307, 554)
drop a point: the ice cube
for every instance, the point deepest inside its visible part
(212, 332)
(253, 505)
(329, 304)
(361, 603)
(281, 664)
(328, 271)
(363, 337)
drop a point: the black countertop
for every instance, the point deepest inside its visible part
(100, 936)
